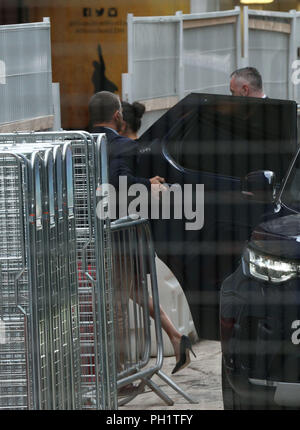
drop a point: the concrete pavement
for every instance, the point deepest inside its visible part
(201, 380)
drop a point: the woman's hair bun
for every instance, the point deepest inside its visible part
(139, 109)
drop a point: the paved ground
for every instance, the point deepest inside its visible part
(201, 380)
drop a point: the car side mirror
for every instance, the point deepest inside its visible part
(259, 186)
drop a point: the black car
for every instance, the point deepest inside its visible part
(260, 309)
(214, 141)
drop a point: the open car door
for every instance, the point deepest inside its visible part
(206, 145)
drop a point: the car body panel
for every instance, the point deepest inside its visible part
(260, 320)
(215, 141)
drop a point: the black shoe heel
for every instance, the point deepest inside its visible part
(184, 358)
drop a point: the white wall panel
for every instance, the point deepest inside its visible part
(26, 74)
(170, 57)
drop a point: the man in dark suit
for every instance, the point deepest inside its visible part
(105, 112)
(246, 82)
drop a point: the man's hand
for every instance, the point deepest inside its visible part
(156, 189)
(157, 180)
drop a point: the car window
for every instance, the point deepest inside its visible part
(231, 139)
(291, 192)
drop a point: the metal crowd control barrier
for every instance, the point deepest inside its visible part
(93, 376)
(76, 282)
(18, 282)
(128, 256)
(134, 277)
(38, 337)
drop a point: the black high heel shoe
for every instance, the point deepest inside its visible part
(184, 358)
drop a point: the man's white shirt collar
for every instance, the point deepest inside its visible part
(112, 129)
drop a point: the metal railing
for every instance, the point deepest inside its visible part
(74, 287)
(84, 254)
(40, 330)
(135, 283)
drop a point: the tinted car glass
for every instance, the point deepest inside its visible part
(214, 141)
(291, 192)
(230, 135)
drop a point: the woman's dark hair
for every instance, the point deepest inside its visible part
(132, 114)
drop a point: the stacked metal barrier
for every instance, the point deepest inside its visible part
(15, 294)
(79, 373)
(50, 289)
(74, 299)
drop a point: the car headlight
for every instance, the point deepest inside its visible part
(268, 268)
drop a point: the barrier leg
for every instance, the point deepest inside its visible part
(175, 387)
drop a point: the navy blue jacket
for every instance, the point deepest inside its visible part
(123, 158)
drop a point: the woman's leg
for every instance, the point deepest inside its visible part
(167, 325)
